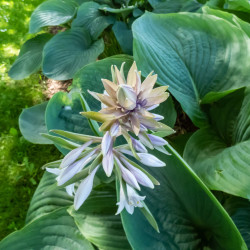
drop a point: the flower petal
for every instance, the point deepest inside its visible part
(131, 78)
(84, 189)
(106, 143)
(55, 171)
(139, 147)
(139, 175)
(73, 155)
(70, 189)
(150, 160)
(74, 168)
(108, 163)
(156, 140)
(145, 140)
(127, 176)
(114, 130)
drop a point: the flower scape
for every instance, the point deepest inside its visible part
(126, 111)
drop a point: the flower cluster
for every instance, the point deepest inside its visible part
(126, 106)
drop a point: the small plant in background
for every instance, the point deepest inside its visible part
(112, 129)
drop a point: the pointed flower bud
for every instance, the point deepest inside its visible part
(106, 143)
(127, 176)
(156, 140)
(150, 160)
(84, 189)
(139, 175)
(126, 97)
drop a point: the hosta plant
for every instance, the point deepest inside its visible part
(122, 135)
(71, 33)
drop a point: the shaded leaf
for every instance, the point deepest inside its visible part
(29, 59)
(172, 6)
(124, 36)
(219, 154)
(97, 221)
(32, 123)
(91, 18)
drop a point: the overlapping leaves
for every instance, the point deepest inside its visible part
(220, 153)
(193, 53)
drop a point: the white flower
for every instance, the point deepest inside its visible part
(73, 155)
(139, 175)
(84, 189)
(133, 198)
(123, 203)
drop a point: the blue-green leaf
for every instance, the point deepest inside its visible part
(29, 59)
(219, 154)
(69, 51)
(188, 215)
(51, 13)
(194, 54)
(32, 123)
(91, 18)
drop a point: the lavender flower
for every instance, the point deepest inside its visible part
(125, 112)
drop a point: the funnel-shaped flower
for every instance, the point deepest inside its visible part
(127, 102)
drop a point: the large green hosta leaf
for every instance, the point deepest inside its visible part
(89, 78)
(47, 198)
(97, 221)
(51, 13)
(56, 230)
(69, 51)
(188, 215)
(229, 17)
(239, 5)
(239, 210)
(29, 59)
(124, 36)
(91, 18)
(63, 112)
(194, 54)
(172, 6)
(220, 154)
(32, 123)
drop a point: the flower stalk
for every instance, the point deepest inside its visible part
(126, 105)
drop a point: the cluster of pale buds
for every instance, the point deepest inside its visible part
(126, 106)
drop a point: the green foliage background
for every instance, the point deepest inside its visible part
(20, 161)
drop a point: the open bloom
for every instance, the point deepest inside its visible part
(127, 102)
(125, 112)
